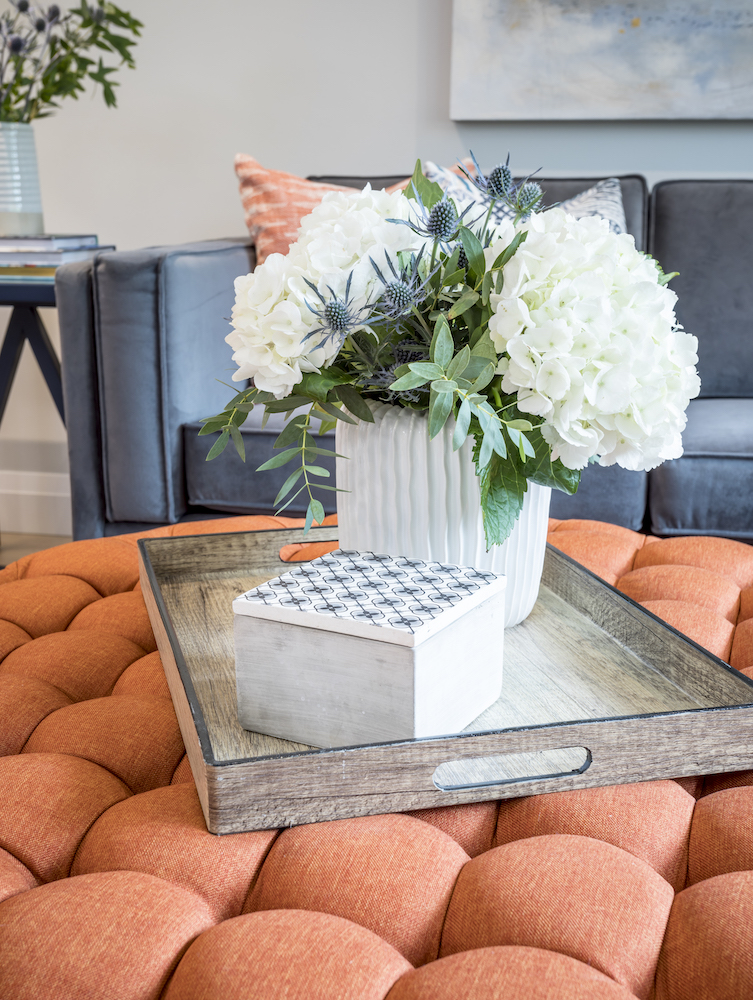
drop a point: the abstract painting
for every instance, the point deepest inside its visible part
(601, 59)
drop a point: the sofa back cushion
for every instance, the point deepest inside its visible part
(703, 230)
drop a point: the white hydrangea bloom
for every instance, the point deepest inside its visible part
(271, 317)
(589, 341)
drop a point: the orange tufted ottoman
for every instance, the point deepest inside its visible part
(111, 887)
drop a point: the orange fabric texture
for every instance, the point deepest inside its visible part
(111, 886)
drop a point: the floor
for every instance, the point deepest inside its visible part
(13, 546)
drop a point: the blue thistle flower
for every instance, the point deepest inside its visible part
(16, 44)
(403, 290)
(338, 316)
(528, 198)
(22, 6)
(440, 223)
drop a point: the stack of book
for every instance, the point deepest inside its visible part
(36, 258)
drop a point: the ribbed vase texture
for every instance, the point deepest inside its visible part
(20, 200)
(411, 496)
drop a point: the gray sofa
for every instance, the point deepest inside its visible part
(144, 358)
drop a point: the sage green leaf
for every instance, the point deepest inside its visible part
(453, 278)
(459, 363)
(409, 381)
(475, 366)
(298, 492)
(236, 419)
(430, 192)
(292, 431)
(444, 385)
(509, 251)
(520, 425)
(318, 510)
(427, 369)
(318, 384)
(219, 445)
(237, 437)
(245, 407)
(213, 425)
(484, 378)
(485, 455)
(440, 407)
(337, 413)
(289, 403)
(400, 371)
(277, 460)
(486, 287)
(484, 347)
(355, 402)
(464, 303)
(442, 346)
(462, 423)
(473, 251)
(318, 470)
(288, 485)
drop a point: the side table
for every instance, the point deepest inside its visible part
(25, 324)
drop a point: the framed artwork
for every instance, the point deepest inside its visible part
(601, 59)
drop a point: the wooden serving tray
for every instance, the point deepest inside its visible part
(596, 691)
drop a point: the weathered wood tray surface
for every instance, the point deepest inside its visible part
(596, 691)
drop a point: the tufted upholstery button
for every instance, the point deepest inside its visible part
(709, 942)
(138, 740)
(472, 825)
(24, 702)
(574, 895)
(722, 837)
(114, 934)
(295, 955)
(49, 802)
(82, 664)
(144, 678)
(11, 637)
(123, 614)
(703, 626)
(48, 604)
(650, 820)
(689, 584)
(718, 555)
(515, 972)
(347, 867)
(109, 565)
(15, 877)
(163, 833)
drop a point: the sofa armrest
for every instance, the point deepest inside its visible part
(143, 348)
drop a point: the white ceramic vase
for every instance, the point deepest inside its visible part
(20, 200)
(411, 496)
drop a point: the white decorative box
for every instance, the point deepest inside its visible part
(357, 648)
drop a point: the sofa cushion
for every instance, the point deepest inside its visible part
(708, 491)
(229, 484)
(702, 229)
(612, 494)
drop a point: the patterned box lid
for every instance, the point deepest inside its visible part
(388, 598)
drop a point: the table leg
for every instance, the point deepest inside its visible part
(26, 324)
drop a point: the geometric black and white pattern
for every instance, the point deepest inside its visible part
(391, 592)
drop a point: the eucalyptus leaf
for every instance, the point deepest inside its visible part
(462, 423)
(355, 402)
(473, 251)
(288, 485)
(213, 425)
(335, 412)
(519, 425)
(484, 378)
(289, 403)
(442, 346)
(427, 369)
(219, 445)
(277, 460)
(464, 303)
(291, 431)
(459, 363)
(443, 385)
(318, 470)
(409, 381)
(429, 191)
(440, 407)
(237, 437)
(509, 251)
(453, 277)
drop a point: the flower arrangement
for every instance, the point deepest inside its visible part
(551, 341)
(42, 54)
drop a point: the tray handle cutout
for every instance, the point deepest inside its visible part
(504, 769)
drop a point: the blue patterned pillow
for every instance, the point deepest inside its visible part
(604, 199)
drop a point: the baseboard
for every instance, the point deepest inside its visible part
(37, 503)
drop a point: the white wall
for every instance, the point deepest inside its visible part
(333, 86)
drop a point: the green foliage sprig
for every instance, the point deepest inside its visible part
(43, 55)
